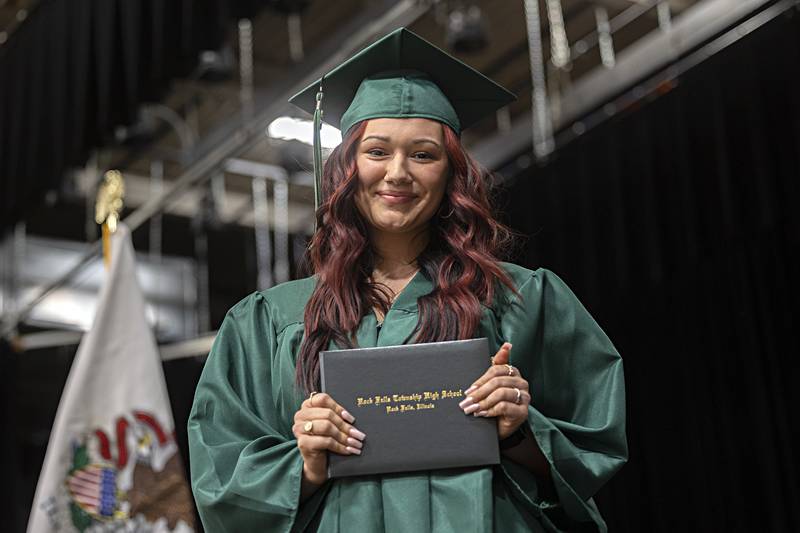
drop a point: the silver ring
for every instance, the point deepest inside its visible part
(311, 398)
(510, 370)
(519, 396)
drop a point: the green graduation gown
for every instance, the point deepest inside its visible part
(246, 467)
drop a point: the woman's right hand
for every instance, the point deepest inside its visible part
(322, 425)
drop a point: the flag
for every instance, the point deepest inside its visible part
(112, 463)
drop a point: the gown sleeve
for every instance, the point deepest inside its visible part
(577, 411)
(245, 465)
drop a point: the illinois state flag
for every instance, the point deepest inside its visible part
(112, 463)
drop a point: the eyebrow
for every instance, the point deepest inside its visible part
(415, 141)
(430, 141)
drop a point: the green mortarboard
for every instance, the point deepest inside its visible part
(400, 75)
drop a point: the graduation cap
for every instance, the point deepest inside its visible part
(400, 76)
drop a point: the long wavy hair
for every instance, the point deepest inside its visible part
(461, 259)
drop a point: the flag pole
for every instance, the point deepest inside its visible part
(107, 209)
(106, 245)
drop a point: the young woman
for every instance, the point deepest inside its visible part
(406, 251)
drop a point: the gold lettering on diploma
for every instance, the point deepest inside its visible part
(405, 402)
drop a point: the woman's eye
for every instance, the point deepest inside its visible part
(376, 152)
(422, 155)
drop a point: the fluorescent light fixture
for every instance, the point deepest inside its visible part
(289, 128)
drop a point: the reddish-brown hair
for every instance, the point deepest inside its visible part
(461, 260)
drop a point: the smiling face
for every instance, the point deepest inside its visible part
(402, 172)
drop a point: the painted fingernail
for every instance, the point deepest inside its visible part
(355, 443)
(466, 402)
(481, 413)
(471, 389)
(507, 345)
(352, 450)
(357, 434)
(472, 408)
(347, 416)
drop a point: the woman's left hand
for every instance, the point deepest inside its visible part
(500, 392)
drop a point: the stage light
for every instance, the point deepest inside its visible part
(466, 30)
(217, 65)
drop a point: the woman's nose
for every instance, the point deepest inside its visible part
(396, 170)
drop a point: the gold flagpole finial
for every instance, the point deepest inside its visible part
(107, 208)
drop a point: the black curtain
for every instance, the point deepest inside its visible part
(678, 225)
(9, 415)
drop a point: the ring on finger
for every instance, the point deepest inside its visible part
(518, 399)
(311, 398)
(510, 370)
(308, 427)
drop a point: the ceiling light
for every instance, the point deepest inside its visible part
(290, 128)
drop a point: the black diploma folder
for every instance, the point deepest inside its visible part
(405, 398)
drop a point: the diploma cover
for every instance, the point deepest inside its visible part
(405, 399)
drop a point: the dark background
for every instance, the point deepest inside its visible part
(677, 224)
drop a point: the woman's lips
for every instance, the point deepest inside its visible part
(395, 198)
